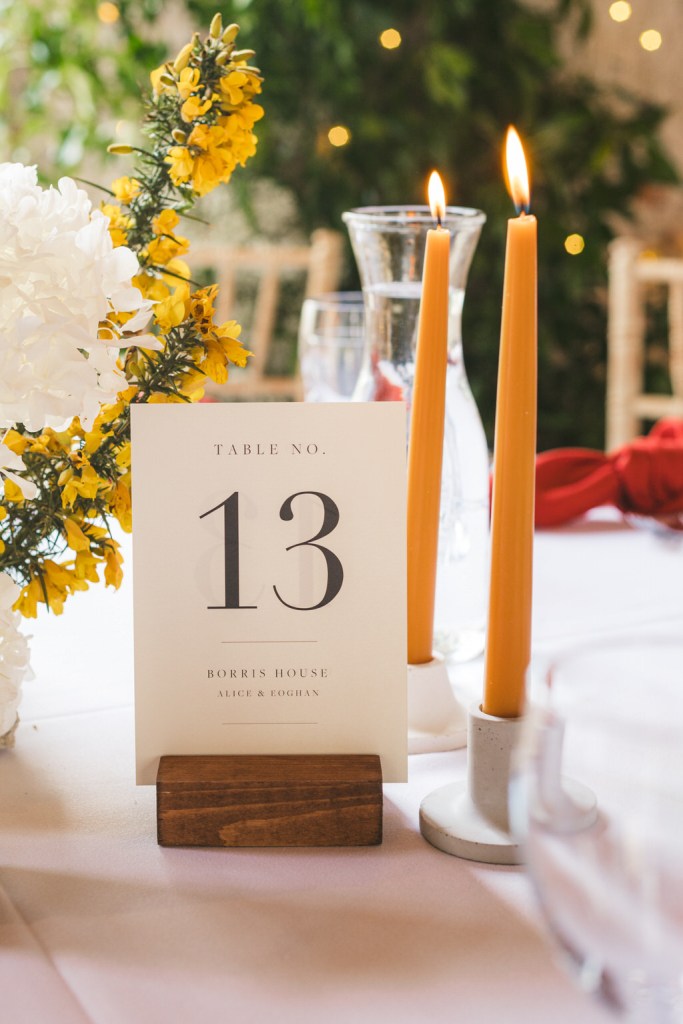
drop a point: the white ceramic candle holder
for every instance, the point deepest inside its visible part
(470, 819)
(436, 720)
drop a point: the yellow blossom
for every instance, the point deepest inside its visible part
(27, 602)
(250, 114)
(86, 566)
(158, 86)
(180, 160)
(113, 573)
(176, 270)
(161, 398)
(154, 78)
(209, 171)
(15, 441)
(60, 580)
(214, 363)
(96, 533)
(45, 443)
(121, 503)
(213, 162)
(128, 394)
(239, 86)
(151, 286)
(75, 429)
(207, 138)
(54, 581)
(228, 337)
(13, 492)
(126, 189)
(75, 537)
(165, 222)
(238, 137)
(194, 107)
(105, 417)
(188, 82)
(163, 250)
(171, 311)
(123, 455)
(85, 485)
(93, 439)
(119, 223)
(202, 306)
(213, 151)
(192, 384)
(232, 86)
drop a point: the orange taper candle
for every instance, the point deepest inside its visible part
(425, 448)
(508, 643)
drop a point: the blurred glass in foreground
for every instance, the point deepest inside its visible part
(610, 884)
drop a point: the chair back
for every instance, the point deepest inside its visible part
(631, 277)
(273, 267)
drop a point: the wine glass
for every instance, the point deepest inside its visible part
(597, 798)
(331, 345)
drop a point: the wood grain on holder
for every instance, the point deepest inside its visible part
(269, 800)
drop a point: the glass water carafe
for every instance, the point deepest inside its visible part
(389, 244)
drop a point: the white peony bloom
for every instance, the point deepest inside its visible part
(14, 655)
(60, 277)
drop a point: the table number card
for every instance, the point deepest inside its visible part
(269, 581)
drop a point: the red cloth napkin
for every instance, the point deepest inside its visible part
(644, 477)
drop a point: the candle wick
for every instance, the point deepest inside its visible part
(438, 220)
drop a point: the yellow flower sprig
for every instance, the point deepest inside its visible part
(216, 87)
(200, 123)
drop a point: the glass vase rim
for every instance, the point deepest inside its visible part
(400, 216)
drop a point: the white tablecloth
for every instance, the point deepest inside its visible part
(99, 924)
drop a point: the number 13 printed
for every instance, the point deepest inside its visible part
(231, 555)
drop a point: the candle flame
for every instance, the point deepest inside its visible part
(437, 197)
(517, 175)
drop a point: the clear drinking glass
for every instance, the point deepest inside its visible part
(389, 244)
(331, 345)
(610, 883)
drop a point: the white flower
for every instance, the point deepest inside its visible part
(14, 655)
(60, 277)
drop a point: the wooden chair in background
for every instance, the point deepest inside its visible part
(631, 274)
(274, 267)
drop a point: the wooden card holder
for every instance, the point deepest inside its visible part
(269, 800)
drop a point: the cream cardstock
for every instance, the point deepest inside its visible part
(269, 580)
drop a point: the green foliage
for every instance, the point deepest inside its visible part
(66, 76)
(464, 71)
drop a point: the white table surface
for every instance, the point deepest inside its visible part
(99, 924)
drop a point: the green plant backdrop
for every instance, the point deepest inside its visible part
(465, 69)
(67, 75)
